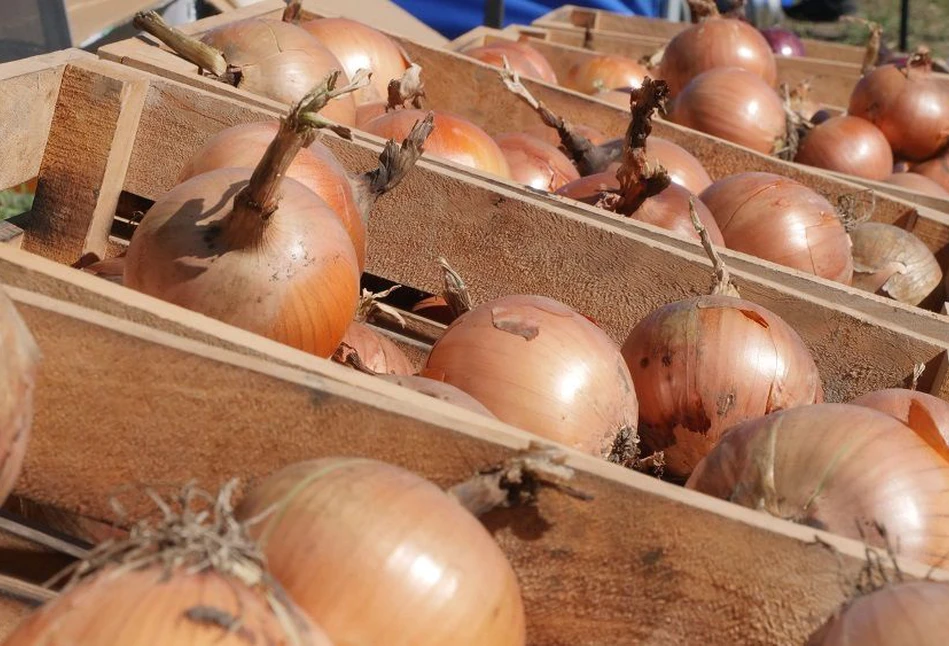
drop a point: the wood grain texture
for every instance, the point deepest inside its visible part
(643, 562)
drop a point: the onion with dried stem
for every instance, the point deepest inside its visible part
(837, 467)
(368, 350)
(536, 163)
(847, 144)
(922, 412)
(605, 72)
(891, 261)
(521, 56)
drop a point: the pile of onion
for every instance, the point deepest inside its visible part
(914, 181)
(847, 144)
(837, 467)
(778, 219)
(605, 72)
(535, 162)
(377, 555)
(924, 413)
(717, 42)
(892, 261)
(523, 58)
(733, 104)
(19, 359)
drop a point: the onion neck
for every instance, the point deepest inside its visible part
(189, 48)
(455, 290)
(723, 279)
(409, 88)
(292, 11)
(703, 9)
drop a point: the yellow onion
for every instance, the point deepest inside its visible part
(19, 358)
(732, 104)
(839, 468)
(777, 219)
(936, 169)
(377, 555)
(536, 163)
(704, 364)
(376, 351)
(523, 59)
(919, 183)
(892, 261)
(605, 72)
(849, 145)
(899, 614)
(538, 365)
(439, 390)
(925, 414)
(683, 168)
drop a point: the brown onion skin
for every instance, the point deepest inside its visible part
(732, 104)
(704, 364)
(280, 61)
(148, 607)
(802, 229)
(346, 530)
(440, 390)
(913, 181)
(523, 59)
(177, 255)
(536, 163)
(359, 46)
(910, 612)
(936, 169)
(839, 468)
(315, 167)
(366, 112)
(538, 365)
(668, 210)
(377, 352)
(683, 168)
(892, 261)
(550, 135)
(19, 359)
(716, 43)
(605, 72)
(922, 412)
(434, 308)
(912, 111)
(454, 138)
(848, 145)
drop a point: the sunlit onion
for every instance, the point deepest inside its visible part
(783, 42)
(847, 145)
(605, 72)
(777, 219)
(377, 555)
(702, 365)
(683, 168)
(376, 351)
(539, 365)
(536, 163)
(892, 261)
(523, 59)
(732, 104)
(440, 390)
(840, 468)
(918, 183)
(922, 412)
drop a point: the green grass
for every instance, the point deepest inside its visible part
(13, 203)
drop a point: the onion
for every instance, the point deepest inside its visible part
(535, 162)
(892, 261)
(911, 612)
(539, 365)
(19, 357)
(377, 555)
(783, 42)
(925, 414)
(919, 183)
(366, 112)
(358, 46)
(376, 351)
(618, 97)
(454, 138)
(936, 169)
(909, 106)
(704, 364)
(732, 104)
(434, 308)
(849, 145)
(523, 59)
(778, 219)
(605, 72)
(440, 390)
(683, 168)
(550, 135)
(839, 468)
(716, 43)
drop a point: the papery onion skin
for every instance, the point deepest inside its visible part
(894, 262)
(536, 163)
(454, 138)
(783, 42)
(242, 146)
(910, 612)
(299, 286)
(550, 135)
(839, 468)
(850, 145)
(19, 359)
(343, 530)
(376, 351)
(918, 183)
(150, 606)
(280, 61)
(523, 59)
(936, 169)
(668, 210)
(777, 219)
(912, 112)
(605, 72)
(922, 412)
(704, 364)
(716, 43)
(359, 46)
(538, 365)
(732, 104)
(440, 390)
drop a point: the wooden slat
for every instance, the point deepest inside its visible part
(642, 562)
(10, 235)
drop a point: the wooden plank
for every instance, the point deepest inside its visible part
(643, 562)
(10, 235)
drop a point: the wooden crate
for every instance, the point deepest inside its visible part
(136, 391)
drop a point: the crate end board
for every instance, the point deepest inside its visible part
(642, 559)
